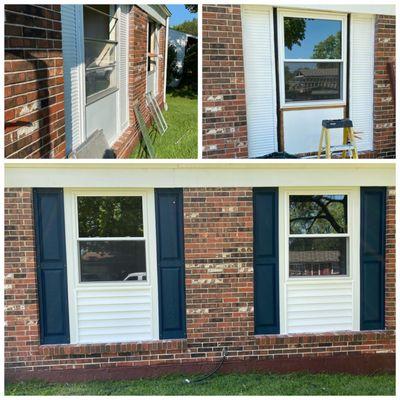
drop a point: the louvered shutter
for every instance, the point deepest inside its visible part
(362, 78)
(123, 67)
(259, 68)
(72, 47)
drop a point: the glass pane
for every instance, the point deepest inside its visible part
(112, 261)
(313, 81)
(318, 214)
(99, 54)
(100, 79)
(96, 24)
(307, 38)
(317, 256)
(110, 216)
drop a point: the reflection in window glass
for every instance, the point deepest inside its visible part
(317, 256)
(102, 261)
(318, 214)
(110, 216)
(309, 38)
(100, 30)
(308, 81)
(101, 79)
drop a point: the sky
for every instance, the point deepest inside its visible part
(316, 31)
(179, 14)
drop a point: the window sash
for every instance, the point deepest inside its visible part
(93, 97)
(282, 13)
(115, 238)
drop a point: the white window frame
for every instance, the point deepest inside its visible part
(156, 45)
(281, 57)
(114, 15)
(73, 268)
(353, 253)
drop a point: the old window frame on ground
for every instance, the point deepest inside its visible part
(73, 269)
(281, 14)
(353, 267)
(113, 41)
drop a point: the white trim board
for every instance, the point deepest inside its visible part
(128, 174)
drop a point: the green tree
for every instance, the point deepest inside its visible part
(189, 27)
(295, 29)
(189, 73)
(172, 68)
(192, 8)
(330, 48)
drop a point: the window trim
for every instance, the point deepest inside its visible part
(353, 270)
(73, 269)
(156, 42)
(103, 93)
(281, 58)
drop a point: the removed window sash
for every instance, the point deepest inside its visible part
(156, 113)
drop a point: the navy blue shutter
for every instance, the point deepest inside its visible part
(51, 265)
(171, 263)
(266, 263)
(372, 246)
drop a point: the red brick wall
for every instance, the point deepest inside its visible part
(219, 295)
(384, 106)
(34, 91)
(224, 103)
(137, 60)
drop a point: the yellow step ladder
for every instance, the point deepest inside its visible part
(348, 147)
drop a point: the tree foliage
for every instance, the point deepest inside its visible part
(294, 29)
(172, 67)
(330, 48)
(189, 27)
(192, 8)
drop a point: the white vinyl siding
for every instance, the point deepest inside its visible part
(259, 67)
(72, 47)
(110, 312)
(123, 66)
(319, 306)
(119, 314)
(362, 78)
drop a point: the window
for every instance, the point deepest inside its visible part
(111, 238)
(318, 235)
(152, 47)
(312, 57)
(100, 33)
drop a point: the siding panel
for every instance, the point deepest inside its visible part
(322, 307)
(110, 315)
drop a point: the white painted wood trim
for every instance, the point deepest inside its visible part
(281, 58)
(148, 9)
(205, 173)
(71, 232)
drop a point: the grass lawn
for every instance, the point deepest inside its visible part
(231, 384)
(180, 139)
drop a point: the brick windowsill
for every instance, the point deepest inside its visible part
(266, 339)
(112, 348)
